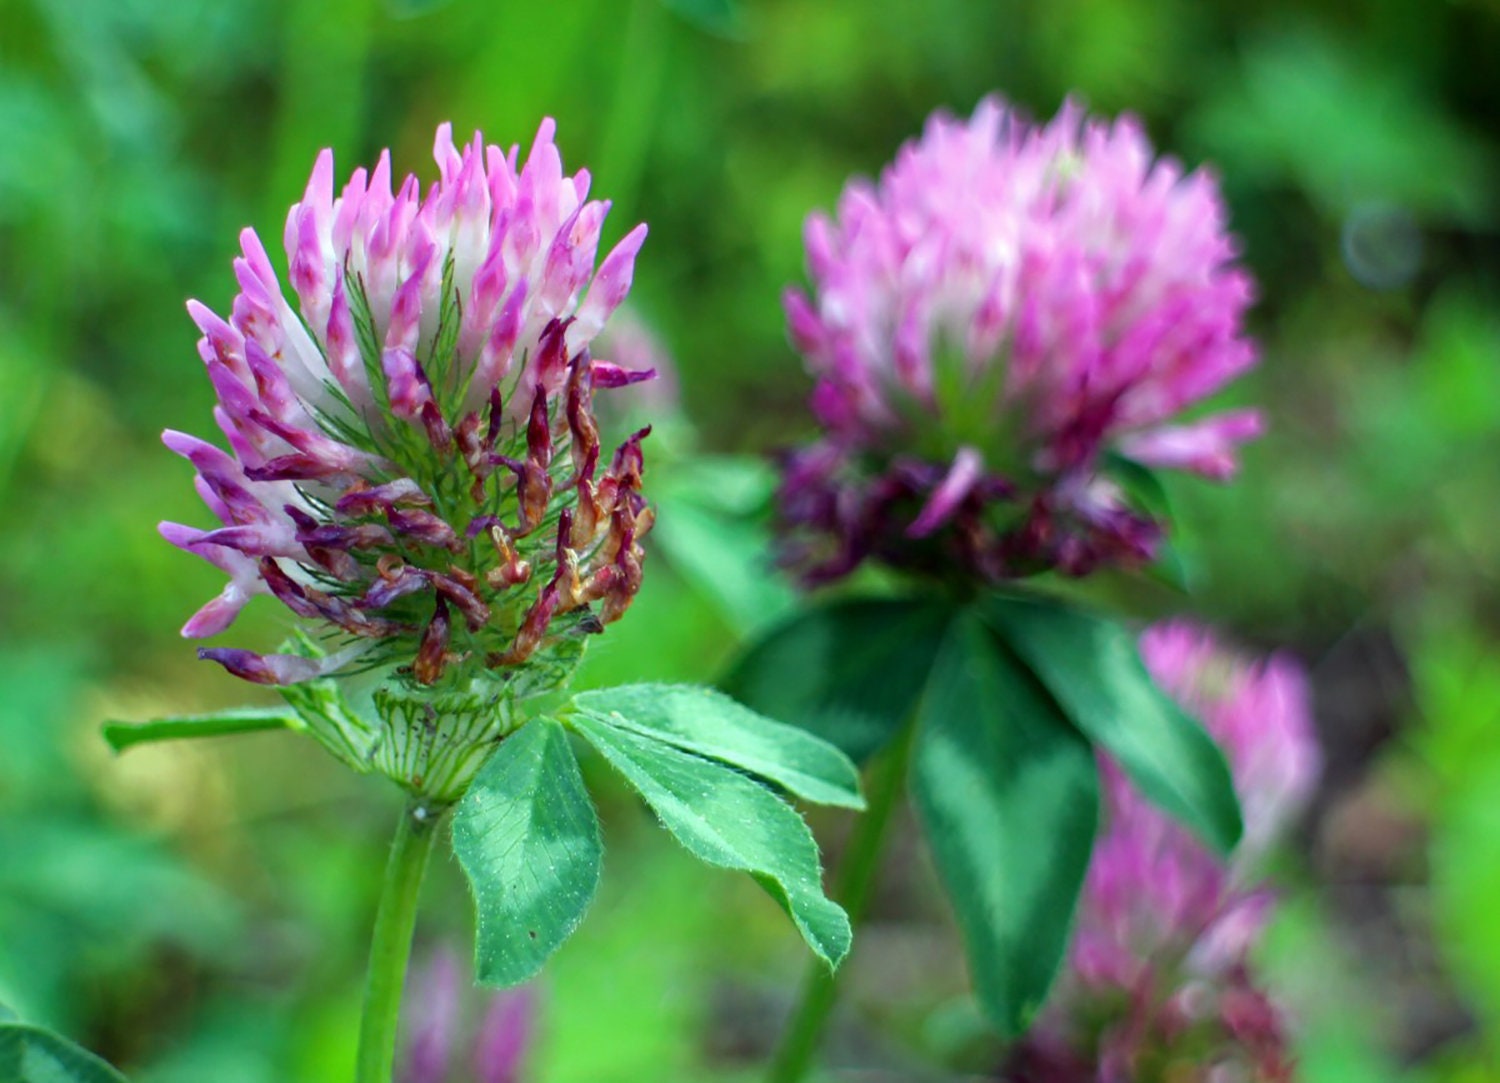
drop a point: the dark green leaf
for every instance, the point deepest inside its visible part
(731, 821)
(121, 735)
(849, 672)
(1093, 669)
(1008, 793)
(32, 1055)
(1172, 567)
(1140, 483)
(1145, 489)
(528, 840)
(711, 724)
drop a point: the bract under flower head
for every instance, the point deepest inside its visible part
(413, 467)
(1159, 967)
(1007, 309)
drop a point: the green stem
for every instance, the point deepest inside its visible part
(121, 735)
(390, 946)
(856, 876)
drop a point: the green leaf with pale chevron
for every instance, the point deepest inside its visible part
(528, 839)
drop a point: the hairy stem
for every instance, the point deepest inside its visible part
(390, 947)
(856, 876)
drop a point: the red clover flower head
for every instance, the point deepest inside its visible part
(1008, 312)
(1159, 968)
(413, 463)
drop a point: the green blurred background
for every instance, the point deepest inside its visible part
(200, 912)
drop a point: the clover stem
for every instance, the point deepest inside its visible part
(390, 946)
(856, 877)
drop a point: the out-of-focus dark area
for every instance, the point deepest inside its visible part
(200, 912)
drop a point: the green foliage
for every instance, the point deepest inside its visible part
(710, 724)
(1009, 797)
(33, 1055)
(1457, 768)
(528, 840)
(527, 836)
(1009, 697)
(728, 820)
(1347, 130)
(1092, 667)
(711, 527)
(140, 136)
(722, 17)
(849, 672)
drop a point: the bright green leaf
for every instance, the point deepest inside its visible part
(528, 840)
(1009, 795)
(30, 1054)
(849, 672)
(1093, 669)
(711, 724)
(731, 821)
(122, 735)
(6, 1015)
(741, 487)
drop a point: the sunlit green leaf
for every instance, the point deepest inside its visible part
(528, 840)
(1008, 793)
(734, 485)
(849, 672)
(1093, 668)
(724, 553)
(731, 821)
(711, 724)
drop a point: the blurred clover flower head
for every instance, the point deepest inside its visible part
(414, 467)
(437, 1028)
(631, 342)
(1010, 312)
(1159, 969)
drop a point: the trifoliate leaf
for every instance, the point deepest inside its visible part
(711, 724)
(849, 672)
(731, 821)
(528, 839)
(1093, 669)
(1008, 793)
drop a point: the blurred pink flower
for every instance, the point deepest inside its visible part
(1159, 963)
(1009, 306)
(1258, 712)
(413, 461)
(438, 1026)
(633, 344)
